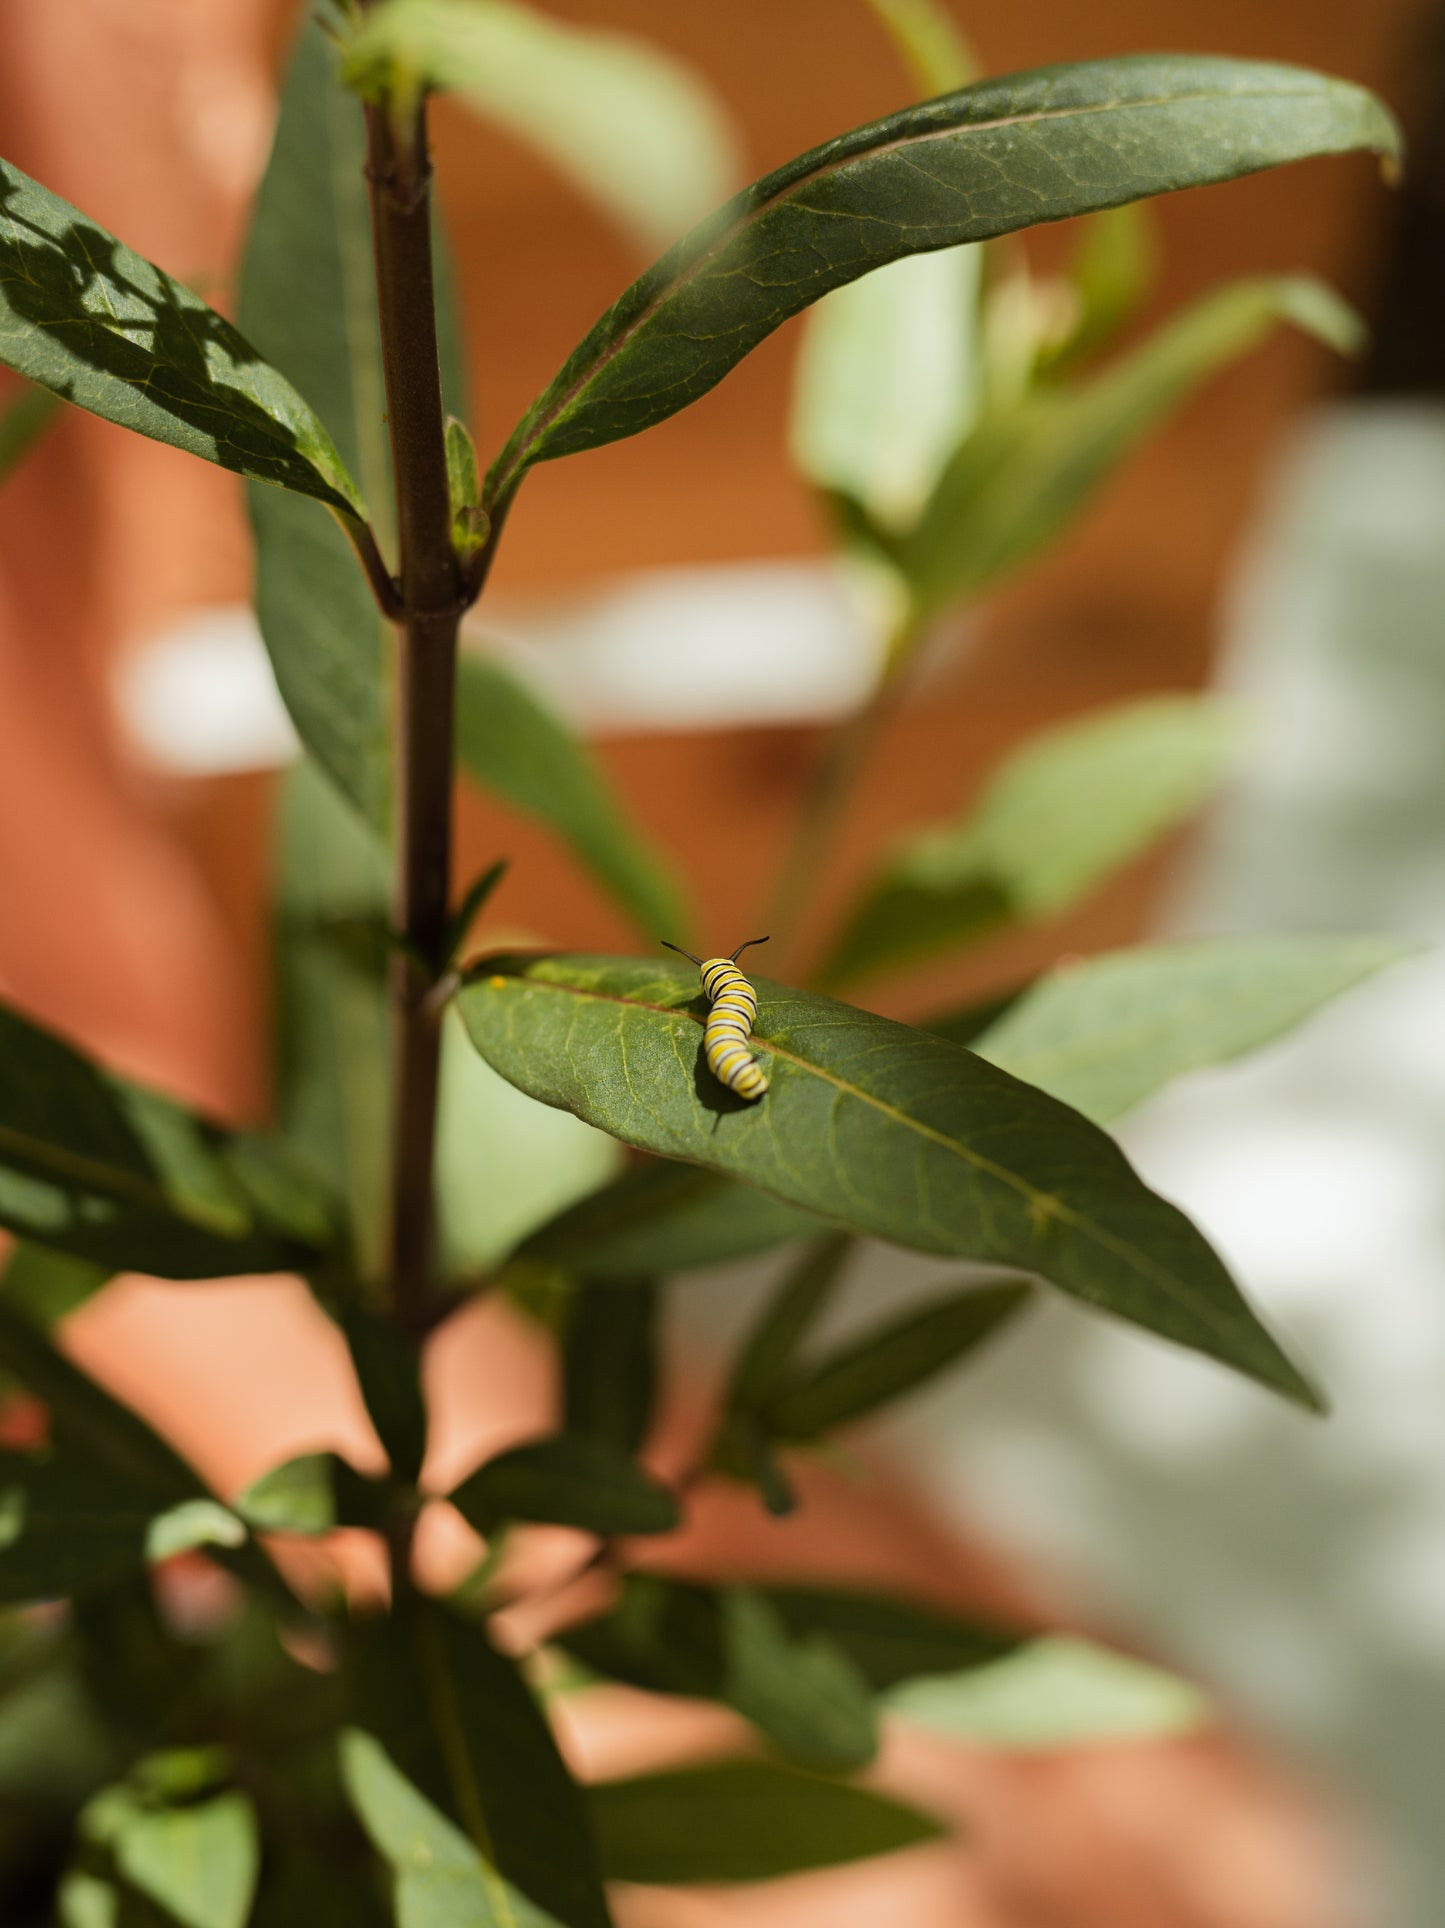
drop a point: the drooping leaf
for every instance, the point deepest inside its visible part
(1055, 1692)
(1059, 816)
(743, 1820)
(198, 1862)
(23, 421)
(1105, 1033)
(1027, 472)
(893, 1132)
(609, 1362)
(111, 1172)
(1002, 155)
(87, 1419)
(511, 743)
(46, 1285)
(308, 298)
(457, 1719)
(442, 1881)
(657, 1219)
(887, 383)
(570, 1479)
(633, 128)
(765, 1358)
(66, 1526)
(667, 1636)
(332, 1035)
(84, 316)
(890, 1360)
(805, 1694)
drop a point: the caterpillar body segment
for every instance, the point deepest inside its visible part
(730, 1021)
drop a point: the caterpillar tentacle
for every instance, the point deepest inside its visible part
(730, 1022)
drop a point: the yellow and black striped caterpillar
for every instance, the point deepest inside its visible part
(730, 1021)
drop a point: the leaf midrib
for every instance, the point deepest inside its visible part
(522, 461)
(1048, 1202)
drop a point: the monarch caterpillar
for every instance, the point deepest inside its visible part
(730, 1021)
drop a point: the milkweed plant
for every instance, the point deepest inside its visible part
(319, 1756)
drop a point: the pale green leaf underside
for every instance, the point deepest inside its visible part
(887, 1130)
(1002, 155)
(1052, 823)
(1106, 1033)
(1027, 472)
(1055, 1692)
(629, 125)
(84, 316)
(512, 744)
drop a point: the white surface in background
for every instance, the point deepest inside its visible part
(668, 649)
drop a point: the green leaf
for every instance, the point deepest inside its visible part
(630, 126)
(83, 316)
(310, 1495)
(765, 1358)
(609, 1362)
(86, 1418)
(929, 43)
(1111, 274)
(474, 900)
(441, 1879)
(65, 1527)
(1060, 816)
(743, 1820)
(459, 1722)
(1107, 1032)
(308, 298)
(1055, 1692)
(332, 1027)
(199, 1862)
(45, 1286)
(895, 1133)
(388, 1370)
(890, 1360)
(567, 1480)
(887, 383)
(512, 744)
(890, 1640)
(805, 1695)
(23, 421)
(120, 1176)
(1028, 471)
(192, 1524)
(996, 157)
(658, 1219)
(504, 1164)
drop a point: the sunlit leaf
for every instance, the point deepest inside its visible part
(743, 1820)
(1052, 823)
(1055, 1692)
(1106, 1032)
(630, 126)
(1028, 471)
(892, 1132)
(999, 156)
(512, 744)
(198, 1862)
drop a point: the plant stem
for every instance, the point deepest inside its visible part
(433, 600)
